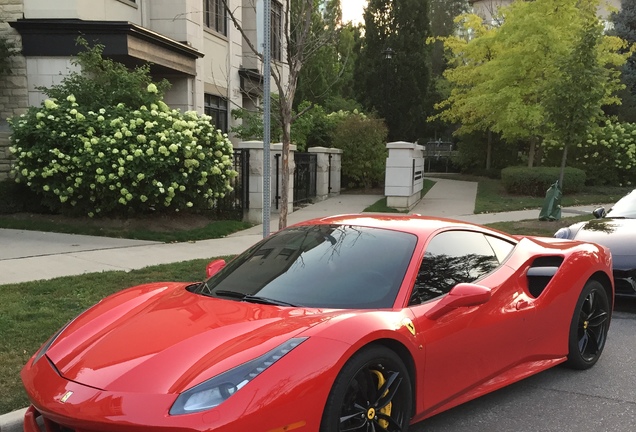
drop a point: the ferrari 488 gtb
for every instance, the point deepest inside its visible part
(347, 323)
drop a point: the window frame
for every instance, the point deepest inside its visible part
(215, 16)
(218, 110)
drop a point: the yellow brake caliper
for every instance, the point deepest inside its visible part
(387, 409)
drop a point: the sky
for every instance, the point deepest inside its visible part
(352, 10)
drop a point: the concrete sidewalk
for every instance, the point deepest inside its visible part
(31, 255)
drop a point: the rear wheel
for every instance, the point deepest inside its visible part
(590, 323)
(371, 393)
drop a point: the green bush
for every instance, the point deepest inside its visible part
(99, 154)
(536, 181)
(363, 141)
(608, 155)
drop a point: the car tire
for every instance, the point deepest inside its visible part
(588, 330)
(371, 392)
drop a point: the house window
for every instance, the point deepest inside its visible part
(216, 107)
(215, 16)
(277, 30)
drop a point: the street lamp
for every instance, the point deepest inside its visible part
(388, 53)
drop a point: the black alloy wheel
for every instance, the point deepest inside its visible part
(590, 323)
(372, 393)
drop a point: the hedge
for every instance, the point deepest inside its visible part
(536, 181)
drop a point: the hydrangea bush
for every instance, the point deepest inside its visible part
(608, 155)
(120, 161)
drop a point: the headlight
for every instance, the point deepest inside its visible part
(48, 343)
(563, 233)
(216, 390)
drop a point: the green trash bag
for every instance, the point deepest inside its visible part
(551, 210)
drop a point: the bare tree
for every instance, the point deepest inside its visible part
(301, 32)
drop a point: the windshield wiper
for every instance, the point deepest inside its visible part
(268, 301)
(232, 294)
(252, 298)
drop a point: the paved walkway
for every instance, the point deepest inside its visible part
(30, 255)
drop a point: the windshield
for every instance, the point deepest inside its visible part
(625, 207)
(323, 266)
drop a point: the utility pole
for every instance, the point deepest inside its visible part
(267, 108)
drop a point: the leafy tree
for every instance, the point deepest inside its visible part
(624, 26)
(396, 85)
(573, 99)
(499, 76)
(442, 14)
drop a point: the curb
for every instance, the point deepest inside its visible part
(13, 421)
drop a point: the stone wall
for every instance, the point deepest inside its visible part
(13, 86)
(5, 156)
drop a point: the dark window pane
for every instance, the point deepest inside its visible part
(277, 30)
(215, 16)
(216, 107)
(452, 257)
(325, 266)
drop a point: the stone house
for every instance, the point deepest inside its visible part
(191, 43)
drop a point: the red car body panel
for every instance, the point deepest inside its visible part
(128, 358)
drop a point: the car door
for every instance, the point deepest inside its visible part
(471, 345)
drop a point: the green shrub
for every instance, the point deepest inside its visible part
(118, 161)
(363, 141)
(608, 155)
(536, 181)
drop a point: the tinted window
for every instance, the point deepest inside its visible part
(452, 257)
(501, 247)
(327, 266)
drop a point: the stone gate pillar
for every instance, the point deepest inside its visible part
(404, 175)
(328, 172)
(255, 213)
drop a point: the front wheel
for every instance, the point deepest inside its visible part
(588, 330)
(371, 393)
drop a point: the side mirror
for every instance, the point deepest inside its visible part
(599, 213)
(462, 295)
(214, 267)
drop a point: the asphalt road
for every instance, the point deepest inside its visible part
(601, 399)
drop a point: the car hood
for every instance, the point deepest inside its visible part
(617, 234)
(161, 338)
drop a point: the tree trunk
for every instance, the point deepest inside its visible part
(489, 151)
(563, 161)
(532, 152)
(286, 114)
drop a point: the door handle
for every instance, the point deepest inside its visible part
(522, 304)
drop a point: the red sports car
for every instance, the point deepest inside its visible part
(348, 323)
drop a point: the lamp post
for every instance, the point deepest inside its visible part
(388, 54)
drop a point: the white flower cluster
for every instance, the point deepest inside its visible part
(120, 160)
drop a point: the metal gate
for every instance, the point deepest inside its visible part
(234, 203)
(305, 177)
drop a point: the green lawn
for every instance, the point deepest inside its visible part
(96, 227)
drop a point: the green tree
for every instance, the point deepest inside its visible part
(624, 26)
(499, 75)
(574, 97)
(393, 68)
